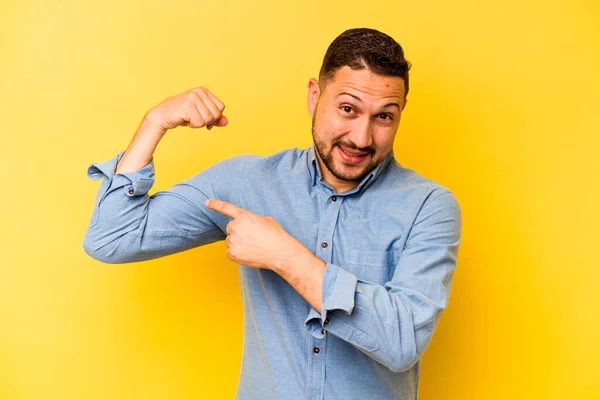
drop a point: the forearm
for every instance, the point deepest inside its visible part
(393, 327)
(393, 322)
(142, 147)
(304, 272)
(382, 325)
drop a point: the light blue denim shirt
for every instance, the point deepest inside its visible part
(390, 245)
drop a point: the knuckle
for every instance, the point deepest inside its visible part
(200, 92)
(196, 122)
(186, 107)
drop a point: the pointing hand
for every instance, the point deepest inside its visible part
(257, 241)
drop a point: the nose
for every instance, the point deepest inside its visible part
(361, 134)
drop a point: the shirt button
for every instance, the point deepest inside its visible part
(130, 191)
(326, 321)
(322, 331)
(324, 244)
(334, 198)
(316, 350)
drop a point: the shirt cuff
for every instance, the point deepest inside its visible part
(339, 289)
(135, 183)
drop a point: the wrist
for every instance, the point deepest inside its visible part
(151, 126)
(301, 263)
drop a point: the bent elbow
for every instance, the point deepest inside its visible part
(91, 251)
(103, 253)
(403, 364)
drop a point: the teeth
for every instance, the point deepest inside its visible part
(352, 155)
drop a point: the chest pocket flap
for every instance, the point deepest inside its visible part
(374, 266)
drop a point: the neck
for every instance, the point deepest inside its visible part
(339, 185)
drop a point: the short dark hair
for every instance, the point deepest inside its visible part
(359, 48)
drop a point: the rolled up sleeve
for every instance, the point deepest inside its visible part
(136, 183)
(129, 225)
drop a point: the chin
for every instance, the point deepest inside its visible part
(349, 173)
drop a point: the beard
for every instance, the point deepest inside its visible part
(344, 172)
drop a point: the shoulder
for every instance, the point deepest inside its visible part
(413, 184)
(249, 168)
(281, 160)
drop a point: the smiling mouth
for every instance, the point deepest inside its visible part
(351, 153)
(351, 157)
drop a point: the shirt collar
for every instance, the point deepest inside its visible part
(315, 172)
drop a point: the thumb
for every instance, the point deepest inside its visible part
(222, 121)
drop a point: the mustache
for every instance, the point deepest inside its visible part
(352, 146)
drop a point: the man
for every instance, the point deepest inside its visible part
(346, 258)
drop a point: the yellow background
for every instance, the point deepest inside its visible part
(503, 109)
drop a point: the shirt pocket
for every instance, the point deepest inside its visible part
(375, 266)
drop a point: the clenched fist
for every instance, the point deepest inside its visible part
(195, 108)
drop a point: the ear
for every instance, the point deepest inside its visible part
(314, 91)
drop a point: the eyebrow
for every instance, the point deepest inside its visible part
(359, 99)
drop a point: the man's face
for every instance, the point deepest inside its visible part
(354, 122)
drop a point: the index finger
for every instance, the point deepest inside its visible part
(231, 210)
(214, 98)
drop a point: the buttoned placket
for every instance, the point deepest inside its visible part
(318, 346)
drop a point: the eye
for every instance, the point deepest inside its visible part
(386, 116)
(347, 109)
